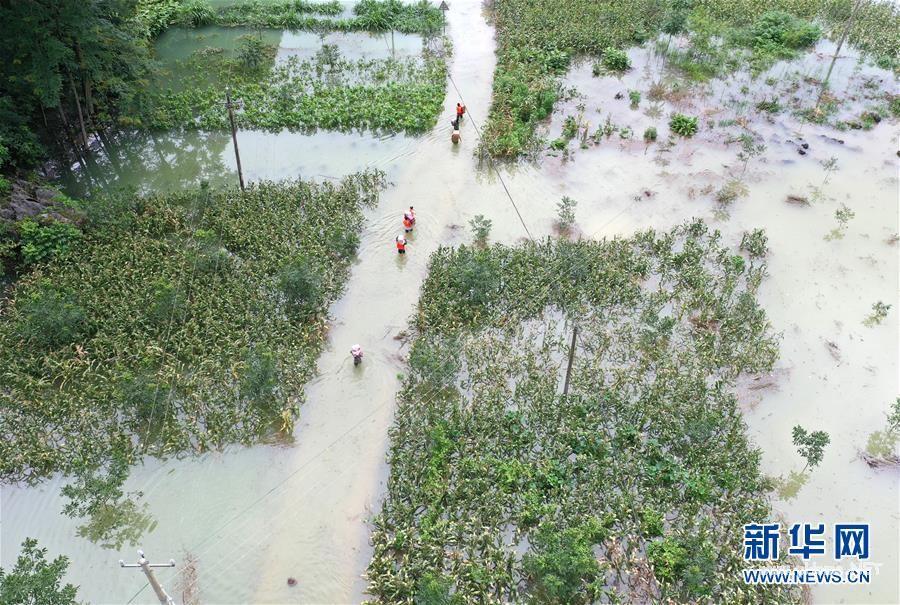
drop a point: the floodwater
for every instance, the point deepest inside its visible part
(253, 517)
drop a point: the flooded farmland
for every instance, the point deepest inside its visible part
(249, 518)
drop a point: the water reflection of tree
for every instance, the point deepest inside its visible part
(152, 161)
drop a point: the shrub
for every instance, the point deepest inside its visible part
(616, 59)
(650, 134)
(253, 52)
(668, 557)
(50, 319)
(565, 213)
(43, 242)
(755, 243)
(810, 445)
(683, 125)
(635, 98)
(770, 106)
(481, 229)
(301, 283)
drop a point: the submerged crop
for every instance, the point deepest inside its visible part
(634, 486)
(179, 324)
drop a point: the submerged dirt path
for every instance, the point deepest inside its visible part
(320, 534)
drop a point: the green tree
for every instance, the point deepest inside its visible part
(810, 445)
(35, 581)
(67, 66)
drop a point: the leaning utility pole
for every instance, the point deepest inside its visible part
(837, 51)
(237, 155)
(146, 566)
(571, 360)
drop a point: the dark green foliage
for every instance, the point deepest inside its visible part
(755, 243)
(36, 581)
(50, 318)
(301, 282)
(650, 134)
(776, 35)
(481, 229)
(254, 52)
(435, 590)
(183, 358)
(683, 125)
(810, 445)
(90, 55)
(42, 242)
(562, 568)
(770, 106)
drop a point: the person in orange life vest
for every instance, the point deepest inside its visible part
(460, 110)
(409, 219)
(401, 244)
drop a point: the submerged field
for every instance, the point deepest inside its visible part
(635, 485)
(175, 323)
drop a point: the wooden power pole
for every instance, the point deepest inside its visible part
(237, 154)
(571, 360)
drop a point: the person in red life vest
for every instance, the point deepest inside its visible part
(401, 244)
(409, 219)
(460, 110)
(407, 225)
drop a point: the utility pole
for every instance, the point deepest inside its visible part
(237, 155)
(571, 360)
(146, 566)
(837, 51)
(444, 8)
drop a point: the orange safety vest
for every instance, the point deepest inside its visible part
(407, 224)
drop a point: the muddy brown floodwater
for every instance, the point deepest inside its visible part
(252, 517)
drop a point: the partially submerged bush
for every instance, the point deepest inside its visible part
(49, 318)
(616, 59)
(683, 125)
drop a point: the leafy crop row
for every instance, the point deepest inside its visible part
(634, 486)
(327, 92)
(181, 322)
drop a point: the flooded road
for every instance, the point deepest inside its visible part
(252, 517)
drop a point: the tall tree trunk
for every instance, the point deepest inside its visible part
(80, 115)
(85, 81)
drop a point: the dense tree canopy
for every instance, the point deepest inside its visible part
(67, 65)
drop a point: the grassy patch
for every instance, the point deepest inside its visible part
(634, 487)
(148, 338)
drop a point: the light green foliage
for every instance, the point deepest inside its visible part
(683, 125)
(843, 216)
(810, 445)
(36, 581)
(291, 14)
(650, 134)
(616, 59)
(42, 242)
(883, 443)
(152, 17)
(635, 97)
(502, 490)
(382, 15)
(565, 213)
(175, 359)
(879, 312)
(481, 229)
(776, 35)
(195, 13)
